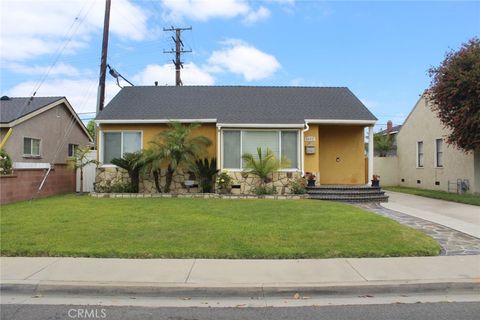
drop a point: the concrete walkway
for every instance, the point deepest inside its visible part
(248, 274)
(462, 217)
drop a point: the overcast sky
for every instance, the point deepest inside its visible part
(381, 50)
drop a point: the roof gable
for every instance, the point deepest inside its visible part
(16, 107)
(19, 109)
(236, 104)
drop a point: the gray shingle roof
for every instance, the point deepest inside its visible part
(394, 129)
(236, 104)
(17, 107)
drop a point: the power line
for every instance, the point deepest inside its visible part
(178, 51)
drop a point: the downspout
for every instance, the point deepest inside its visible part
(5, 139)
(218, 147)
(302, 146)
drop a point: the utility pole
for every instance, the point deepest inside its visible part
(178, 52)
(103, 64)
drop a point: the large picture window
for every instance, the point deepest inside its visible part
(116, 144)
(283, 143)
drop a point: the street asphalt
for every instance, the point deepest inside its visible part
(419, 311)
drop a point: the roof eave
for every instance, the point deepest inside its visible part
(341, 121)
(133, 121)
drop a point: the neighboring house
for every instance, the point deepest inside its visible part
(425, 160)
(392, 132)
(320, 130)
(39, 134)
(45, 130)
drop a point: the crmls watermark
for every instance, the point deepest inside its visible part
(87, 313)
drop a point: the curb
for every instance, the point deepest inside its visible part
(246, 291)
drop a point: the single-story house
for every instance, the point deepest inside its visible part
(39, 134)
(319, 129)
(424, 159)
(41, 130)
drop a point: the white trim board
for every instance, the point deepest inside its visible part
(31, 165)
(340, 121)
(135, 121)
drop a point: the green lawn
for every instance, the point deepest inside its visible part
(455, 197)
(202, 228)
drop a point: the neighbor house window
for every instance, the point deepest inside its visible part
(116, 144)
(439, 153)
(31, 147)
(283, 144)
(420, 154)
(71, 149)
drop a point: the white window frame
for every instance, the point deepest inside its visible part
(435, 163)
(39, 155)
(299, 164)
(101, 143)
(417, 155)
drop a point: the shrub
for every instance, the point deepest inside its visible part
(132, 162)
(264, 190)
(5, 163)
(224, 182)
(123, 188)
(205, 172)
(298, 186)
(115, 188)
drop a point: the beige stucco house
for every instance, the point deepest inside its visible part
(425, 160)
(41, 131)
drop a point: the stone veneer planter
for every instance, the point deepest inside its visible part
(198, 195)
(243, 182)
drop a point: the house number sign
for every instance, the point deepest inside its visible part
(309, 138)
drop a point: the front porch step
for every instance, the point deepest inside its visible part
(347, 198)
(343, 191)
(347, 193)
(343, 187)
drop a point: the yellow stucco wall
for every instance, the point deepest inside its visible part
(331, 141)
(341, 154)
(311, 160)
(208, 130)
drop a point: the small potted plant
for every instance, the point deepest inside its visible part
(310, 179)
(376, 181)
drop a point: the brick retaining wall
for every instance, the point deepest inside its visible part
(24, 183)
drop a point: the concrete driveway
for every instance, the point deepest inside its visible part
(462, 217)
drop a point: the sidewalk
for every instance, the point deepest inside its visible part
(458, 216)
(182, 276)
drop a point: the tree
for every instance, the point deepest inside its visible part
(131, 162)
(455, 93)
(263, 165)
(382, 144)
(80, 160)
(177, 147)
(91, 129)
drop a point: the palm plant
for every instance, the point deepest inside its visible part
(151, 164)
(205, 172)
(177, 147)
(382, 144)
(263, 165)
(131, 162)
(80, 160)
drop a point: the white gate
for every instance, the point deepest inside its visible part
(89, 173)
